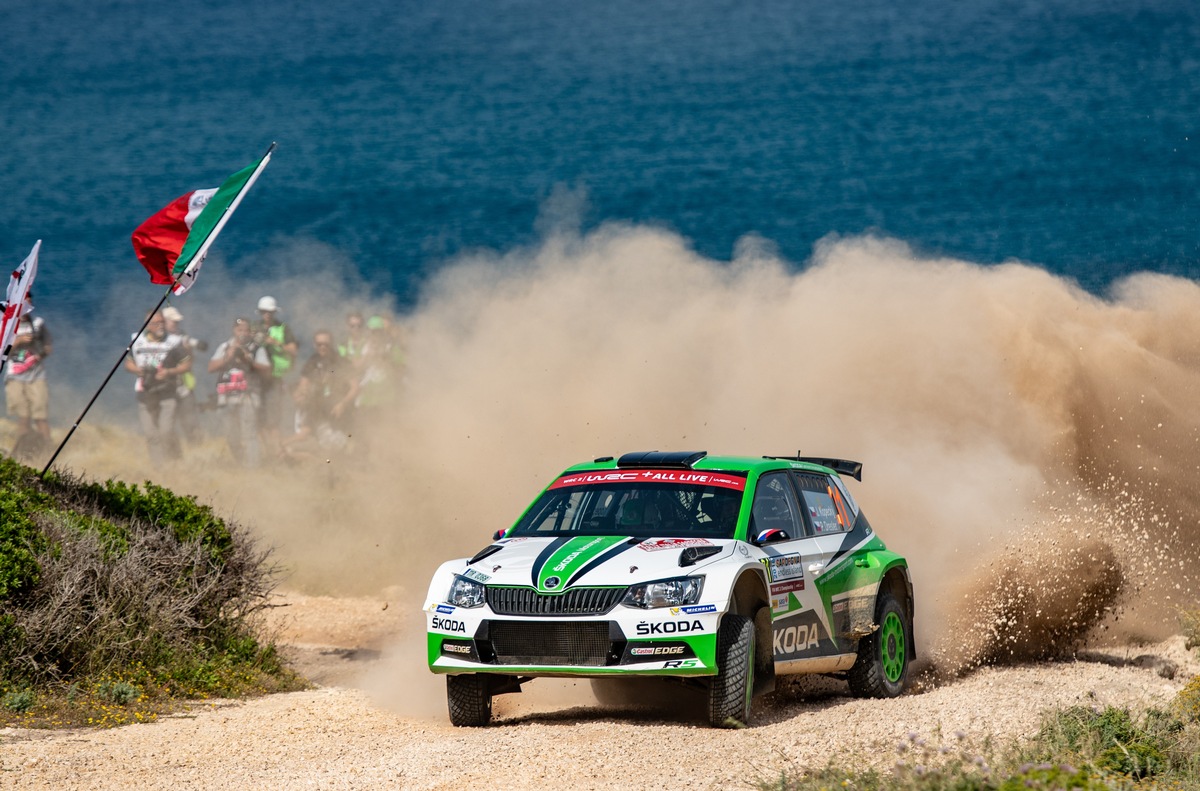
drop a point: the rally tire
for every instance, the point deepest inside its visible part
(469, 699)
(732, 687)
(881, 669)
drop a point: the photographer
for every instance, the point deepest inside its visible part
(242, 366)
(187, 414)
(282, 347)
(158, 359)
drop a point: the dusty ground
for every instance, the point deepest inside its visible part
(378, 720)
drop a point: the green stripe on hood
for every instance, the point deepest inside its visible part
(562, 566)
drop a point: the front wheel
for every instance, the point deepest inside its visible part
(881, 669)
(732, 687)
(469, 699)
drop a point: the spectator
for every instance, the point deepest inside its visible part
(381, 366)
(356, 337)
(157, 360)
(187, 414)
(242, 366)
(324, 401)
(25, 388)
(277, 338)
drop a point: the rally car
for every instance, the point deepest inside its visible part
(723, 571)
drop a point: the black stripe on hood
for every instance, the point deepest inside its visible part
(611, 553)
(545, 554)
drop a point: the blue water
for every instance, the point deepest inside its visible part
(1059, 132)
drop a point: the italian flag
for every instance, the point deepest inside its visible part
(173, 242)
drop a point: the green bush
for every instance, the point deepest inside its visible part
(20, 538)
(129, 588)
(118, 692)
(155, 505)
(19, 701)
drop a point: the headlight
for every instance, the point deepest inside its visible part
(664, 593)
(465, 593)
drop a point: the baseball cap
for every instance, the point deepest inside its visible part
(268, 303)
(171, 313)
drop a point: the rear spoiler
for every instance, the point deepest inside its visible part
(840, 466)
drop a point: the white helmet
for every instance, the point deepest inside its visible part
(269, 304)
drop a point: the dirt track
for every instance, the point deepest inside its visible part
(379, 721)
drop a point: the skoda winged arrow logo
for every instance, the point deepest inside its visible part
(552, 583)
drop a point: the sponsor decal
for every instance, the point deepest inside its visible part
(785, 567)
(669, 627)
(478, 576)
(646, 651)
(508, 541)
(742, 548)
(794, 639)
(696, 609)
(445, 609)
(675, 664)
(656, 650)
(780, 603)
(455, 648)
(679, 477)
(787, 587)
(565, 562)
(449, 625)
(660, 544)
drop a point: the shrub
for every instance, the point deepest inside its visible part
(1189, 620)
(19, 701)
(20, 541)
(118, 692)
(157, 602)
(1187, 702)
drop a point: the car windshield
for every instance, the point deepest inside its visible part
(643, 504)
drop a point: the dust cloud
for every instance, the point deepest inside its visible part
(1029, 446)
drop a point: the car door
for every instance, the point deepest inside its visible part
(800, 622)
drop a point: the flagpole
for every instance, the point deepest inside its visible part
(104, 384)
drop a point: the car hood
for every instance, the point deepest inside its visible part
(554, 564)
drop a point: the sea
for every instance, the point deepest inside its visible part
(1060, 133)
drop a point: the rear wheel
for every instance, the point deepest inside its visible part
(469, 699)
(881, 669)
(732, 687)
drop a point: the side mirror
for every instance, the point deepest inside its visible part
(771, 536)
(499, 534)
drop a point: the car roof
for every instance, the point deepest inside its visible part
(700, 460)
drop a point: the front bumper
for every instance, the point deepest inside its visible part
(675, 641)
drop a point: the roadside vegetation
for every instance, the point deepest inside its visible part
(1092, 749)
(119, 603)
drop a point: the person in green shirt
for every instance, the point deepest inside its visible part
(277, 338)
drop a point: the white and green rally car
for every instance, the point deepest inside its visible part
(724, 571)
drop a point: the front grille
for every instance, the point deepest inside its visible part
(549, 643)
(576, 601)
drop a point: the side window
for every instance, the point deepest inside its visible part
(775, 507)
(824, 502)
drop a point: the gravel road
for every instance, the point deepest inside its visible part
(377, 720)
